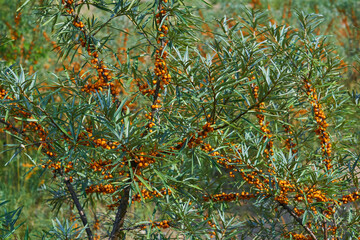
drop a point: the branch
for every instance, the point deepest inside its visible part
(135, 227)
(79, 207)
(121, 211)
(291, 212)
(325, 227)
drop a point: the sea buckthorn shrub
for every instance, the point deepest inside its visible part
(236, 129)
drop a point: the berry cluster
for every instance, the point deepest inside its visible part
(143, 195)
(144, 161)
(285, 188)
(162, 75)
(298, 236)
(267, 133)
(196, 140)
(35, 127)
(101, 188)
(228, 197)
(68, 5)
(212, 225)
(100, 165)
(314, 196)
(3, 93)
(17, 18)
(252, 178)
(69, 166)
(144, 88)
(298, 212)
(350, 197)
(261, 118)
(228, 163)
(161, 70)
(320, 119)
(54, 165)
(28, 126)
(102, 142)
(333, 229)
(254, 87)
(161, 224)
(106, 167)
(96, 226)
(146, 194)
(289, 144)
(104, 75)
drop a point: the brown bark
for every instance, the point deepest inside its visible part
(120, 215)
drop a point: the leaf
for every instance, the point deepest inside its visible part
(144, 182)
(22, 6)
(304, 217)
(131, 4)
(266, 74)
(19, 149)
(26, 119)
(63, 131)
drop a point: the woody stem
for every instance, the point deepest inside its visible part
(78, 207)
(121, 211)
